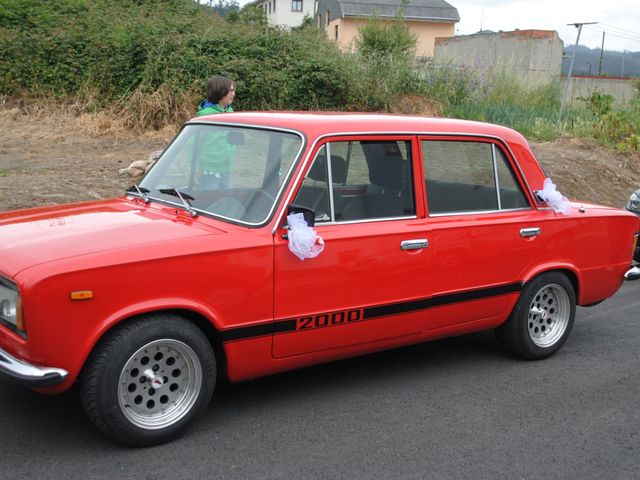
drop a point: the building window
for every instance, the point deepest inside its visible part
(296, 5)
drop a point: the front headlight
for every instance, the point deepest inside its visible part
(10, 305)
(633, 205)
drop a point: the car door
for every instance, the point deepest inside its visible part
(483, 232)
(375, 261)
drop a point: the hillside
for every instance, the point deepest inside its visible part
(588, 62)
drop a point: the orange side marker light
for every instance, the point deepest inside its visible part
(82, 295)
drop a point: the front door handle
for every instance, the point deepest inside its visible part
(529, 232)
(417, 244)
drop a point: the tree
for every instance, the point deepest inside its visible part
(390, 37)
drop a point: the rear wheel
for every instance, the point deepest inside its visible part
(542, 318)
(147, 379)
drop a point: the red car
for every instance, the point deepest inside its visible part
(416, 229)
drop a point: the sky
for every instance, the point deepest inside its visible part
(619, 19)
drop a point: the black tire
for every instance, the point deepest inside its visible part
(147, 379)
(541, 319)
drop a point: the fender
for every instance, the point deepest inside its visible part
(536, 270)
(139, 308)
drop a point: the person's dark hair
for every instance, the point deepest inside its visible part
(218, 87)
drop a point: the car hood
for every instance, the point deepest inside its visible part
(40, 235)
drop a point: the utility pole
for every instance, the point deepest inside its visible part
(601, 54)
(622, 73)
(573, 59)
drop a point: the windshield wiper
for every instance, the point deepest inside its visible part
(185, 197)
(140, 191)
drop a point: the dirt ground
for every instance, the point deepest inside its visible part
(54, 159)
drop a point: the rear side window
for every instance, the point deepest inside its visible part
(469, 177)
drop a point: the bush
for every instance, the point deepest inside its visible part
(162, 49)
(378, 38)
(617, 127)
(382, 70)
(598, 103)
(620, 128)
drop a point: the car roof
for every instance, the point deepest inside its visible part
(317, 124)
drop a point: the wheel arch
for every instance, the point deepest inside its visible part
(568, 270)
(212, 334)
(200, 320)
(543, 316)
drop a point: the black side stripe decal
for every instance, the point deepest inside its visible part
(422, 304)
(242, 333)
(291, 325)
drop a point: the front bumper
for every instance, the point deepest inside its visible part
(30, 375)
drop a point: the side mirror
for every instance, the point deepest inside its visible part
(308, 213)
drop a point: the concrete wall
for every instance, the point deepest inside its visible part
(533, 55)
(583, 86)
(426, 33)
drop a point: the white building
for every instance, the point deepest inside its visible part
(286, 13)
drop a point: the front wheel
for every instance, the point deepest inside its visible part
(147, 379)
(542, 318)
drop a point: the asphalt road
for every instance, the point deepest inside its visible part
(452, 409)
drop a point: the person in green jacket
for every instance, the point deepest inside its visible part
(216, 152)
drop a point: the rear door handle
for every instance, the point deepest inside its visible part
(529, 232)
(416, 244)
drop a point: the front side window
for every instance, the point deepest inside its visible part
(296, 5)
(235, 173)
(468, 176)
(366, 179)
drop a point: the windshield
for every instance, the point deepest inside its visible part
(231, 172)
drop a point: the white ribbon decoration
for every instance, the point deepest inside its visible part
(304, 242)
(558, 202)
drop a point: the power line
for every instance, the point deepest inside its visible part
(620, 29)
(632, 38)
